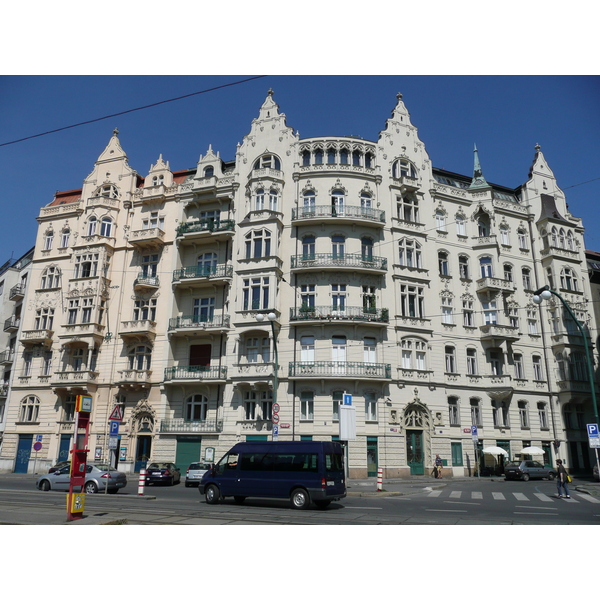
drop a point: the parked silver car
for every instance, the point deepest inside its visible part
(528, 469)
(195, 472)
(96, 479)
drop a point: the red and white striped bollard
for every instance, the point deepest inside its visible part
(379, 479)
(142, 482)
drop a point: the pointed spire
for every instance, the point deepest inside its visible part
(478, 178)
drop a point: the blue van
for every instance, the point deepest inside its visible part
(304, 472)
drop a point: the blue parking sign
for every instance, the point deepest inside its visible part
(592, 429)
(114, 428)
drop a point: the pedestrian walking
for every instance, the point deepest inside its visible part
(439, 463)
(561, 480)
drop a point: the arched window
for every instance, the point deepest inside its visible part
(106, 227)
(449, 352)
(443, 265)
(483, 226)
(366, 200)
(108, 191)
(440, 220)
(309, 199)
(64, 238)
(369, 160)
(337, 202)
(485, 264)
(273, 199)
(504, 236)
(92, 225)
(526, 274)
(463, 267)
(196, 408)
(158, 180)
(570, 242)
(48, 240)
(344, 156)
(508, 273)
(209, 171)
(50, 278)
(461, 228)
(140, 358)
(30, 410)
(259, 199)
(331, 156)
(356, 158)
(318, 156)
(305, 158)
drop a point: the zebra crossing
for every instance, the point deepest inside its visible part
(504, 496)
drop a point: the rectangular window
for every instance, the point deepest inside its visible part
(471, 361)
(543, 415)
(523, 416)
(518, 364)
(532, 327)
(408, 209)
(145, 310)
(255, 293)
(338, 297)
(370, 407)
(490, 312)
(412, 301)
(307, 295)
(475, 412)
(468, 314)
(538, 373)
(447, 314)
(307, 401)
(337, 398)
(453, 414)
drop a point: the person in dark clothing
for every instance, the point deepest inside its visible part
(439, 463)
(561, 480)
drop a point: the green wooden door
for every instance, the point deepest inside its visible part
(371, 457)
(414, 452)
(188, 451)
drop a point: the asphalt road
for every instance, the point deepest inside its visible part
(455, 502)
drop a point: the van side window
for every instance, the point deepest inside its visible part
(228, 462)
(334, 463)
(303, 462)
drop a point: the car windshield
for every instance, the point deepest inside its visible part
(199, 467)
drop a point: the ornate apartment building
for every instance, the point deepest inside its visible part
(303, 270)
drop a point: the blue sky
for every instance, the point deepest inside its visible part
(506, 116)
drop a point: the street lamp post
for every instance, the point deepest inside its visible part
(546, 293)
(272, 317)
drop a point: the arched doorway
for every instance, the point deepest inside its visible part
(417, 427)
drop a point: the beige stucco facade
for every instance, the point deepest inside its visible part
(404, 285)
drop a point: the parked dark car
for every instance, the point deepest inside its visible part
(528, 469)
(163, 472)
(59, 465)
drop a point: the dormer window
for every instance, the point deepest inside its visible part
(268, 161)
(209, 171)
(404, 168)
(158, 180)
(108, 191)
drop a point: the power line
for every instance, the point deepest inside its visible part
(124, 112)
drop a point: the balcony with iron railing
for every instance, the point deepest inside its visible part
(193, 374)
(7, 356)
(329, 260)
(376, 316)
(201, 273)
(186, 323)
(146, 282)
(340, 369)
(184, 426)
(17, 292)
(12, 323)
(321, 212)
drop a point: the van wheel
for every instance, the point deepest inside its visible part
(239, 499)
(212, 494)
(322, 503)
(300, 499)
